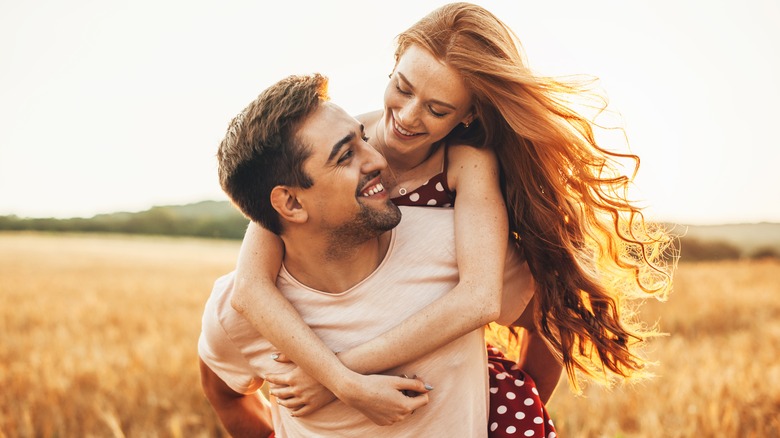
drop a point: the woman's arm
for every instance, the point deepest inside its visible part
(256, 296)
(481, 236)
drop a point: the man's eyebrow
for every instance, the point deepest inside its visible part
(339, 144)
(438, 102)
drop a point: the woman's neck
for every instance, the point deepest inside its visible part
(400, 163)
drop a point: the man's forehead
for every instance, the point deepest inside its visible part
(326, 126)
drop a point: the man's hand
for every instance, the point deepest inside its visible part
(535, 357)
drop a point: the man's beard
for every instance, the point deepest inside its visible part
(367, 224)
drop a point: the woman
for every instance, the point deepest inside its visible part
(462, 106)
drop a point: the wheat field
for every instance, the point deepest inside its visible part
(99, 339)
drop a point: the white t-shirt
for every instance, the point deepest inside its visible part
(419, 267)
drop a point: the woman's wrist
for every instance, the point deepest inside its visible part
(346, 385)
(362, 359)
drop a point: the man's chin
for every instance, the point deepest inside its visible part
(385, 218)
(370, 222)
(381, 216)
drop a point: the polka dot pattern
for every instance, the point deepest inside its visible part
(515, 407)
(434, 193)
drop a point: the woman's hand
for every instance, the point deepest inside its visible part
(297, 391)
(385, 400)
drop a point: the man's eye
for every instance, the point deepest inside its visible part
(346, 156)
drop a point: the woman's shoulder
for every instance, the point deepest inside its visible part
(369, 119)
(470, 164)
(463, 156)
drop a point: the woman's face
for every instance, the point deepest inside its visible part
(424, 101)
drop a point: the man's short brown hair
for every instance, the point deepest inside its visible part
(261, 149)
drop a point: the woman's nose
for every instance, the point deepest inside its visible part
(408, 114)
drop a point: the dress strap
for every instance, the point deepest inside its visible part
(445, 161)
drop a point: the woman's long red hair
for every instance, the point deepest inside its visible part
(588, 247)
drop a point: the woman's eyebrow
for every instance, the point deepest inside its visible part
(436, 101)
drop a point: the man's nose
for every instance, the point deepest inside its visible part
(374, 161)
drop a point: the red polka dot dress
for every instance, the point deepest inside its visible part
(434, 193)
(515, 407)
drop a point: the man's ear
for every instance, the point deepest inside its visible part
(285, 202)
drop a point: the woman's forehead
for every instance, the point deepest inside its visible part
(432, 77)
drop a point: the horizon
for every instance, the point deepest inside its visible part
(227, 201)
(101, 117)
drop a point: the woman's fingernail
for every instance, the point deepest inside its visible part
(428, 387)
(275, 356)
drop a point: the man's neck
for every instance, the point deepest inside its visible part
(320, 266)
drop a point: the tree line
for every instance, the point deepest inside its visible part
(167, 221)
(692, 248)
(220, 220)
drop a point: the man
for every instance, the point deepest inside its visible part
(314, 181)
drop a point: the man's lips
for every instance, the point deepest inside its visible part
(372, 188)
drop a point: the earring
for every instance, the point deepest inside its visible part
(466, 124)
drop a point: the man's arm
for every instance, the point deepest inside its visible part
(242, 415)
(535, 357)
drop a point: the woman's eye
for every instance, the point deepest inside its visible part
(405, 93)
(436, 113)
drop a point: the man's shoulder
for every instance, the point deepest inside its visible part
(220, 319)
(226, 339)
(412, 217)
(221, 292)
(423, 227)
(218, 307)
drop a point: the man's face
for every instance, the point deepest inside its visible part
(347, 199)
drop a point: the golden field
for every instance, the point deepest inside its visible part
(99, 338)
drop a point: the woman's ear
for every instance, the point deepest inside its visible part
(469, 118)
(285, 202)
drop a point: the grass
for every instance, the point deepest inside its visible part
(99, 338)
(717, 372)
(100, 334)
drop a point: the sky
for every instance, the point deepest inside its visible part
(119, 106)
